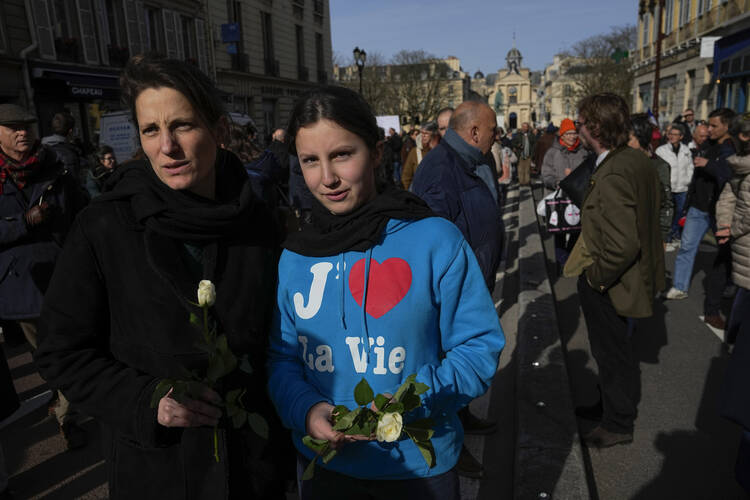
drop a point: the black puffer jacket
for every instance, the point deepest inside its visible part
(116, 320)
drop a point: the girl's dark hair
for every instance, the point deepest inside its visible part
(342, 106)
(104, 149)
(149, 72)
(642, 129)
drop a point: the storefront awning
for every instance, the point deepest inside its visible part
(74, 85)
(732, 55)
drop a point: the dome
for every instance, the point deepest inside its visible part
(478, 74)
(513, 53)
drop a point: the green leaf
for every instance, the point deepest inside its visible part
(310, 470)
(195, 320)
(407, 383)
(234, 396)
(161, 390)
(381, 401)
(365, 425)
(420, 388)
(258, 424)
(328, 455)
(245, 365)
(395, 407)
(346, 421)
(411, 401)
(180, 391)
(427, 450)
(316, 445)
(418, 433)
(338, 412)
(363, 393)
(239, 418)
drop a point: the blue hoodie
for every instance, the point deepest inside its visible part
(426, 311)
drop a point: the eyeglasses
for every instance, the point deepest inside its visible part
(688, 115)
(578, 124)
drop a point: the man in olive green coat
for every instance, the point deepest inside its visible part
(619, 259)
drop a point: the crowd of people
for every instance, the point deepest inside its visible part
(338, 252)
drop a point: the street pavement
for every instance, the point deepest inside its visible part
(681, 449)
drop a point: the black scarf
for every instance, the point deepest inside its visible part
(183, 215)
(359, 230)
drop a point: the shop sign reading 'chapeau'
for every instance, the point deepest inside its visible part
(87, 91)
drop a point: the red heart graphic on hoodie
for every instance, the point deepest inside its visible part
(388, 284)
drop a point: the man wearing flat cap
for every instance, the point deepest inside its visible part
(38, 200)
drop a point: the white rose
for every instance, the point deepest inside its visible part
(206, 293)
(389, 427)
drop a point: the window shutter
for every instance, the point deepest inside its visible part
(3, 45)
(44, 31)
(131, 27)
(102, 24)
(140, 12)
(200, 41)
(170, 37)
(88, 31)
(178, 35)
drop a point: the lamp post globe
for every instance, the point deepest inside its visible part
(360, 56)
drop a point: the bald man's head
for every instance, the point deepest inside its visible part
(279, 134)
(475, 123)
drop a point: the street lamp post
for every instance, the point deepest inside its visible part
(360, 56)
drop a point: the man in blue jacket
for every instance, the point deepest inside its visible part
(456, 182)
(453, 179)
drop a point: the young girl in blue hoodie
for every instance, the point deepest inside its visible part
(376, 288)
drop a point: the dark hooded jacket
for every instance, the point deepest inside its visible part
(116, 321)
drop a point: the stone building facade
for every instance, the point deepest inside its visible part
(67, 54)
(269, 52)
(695, 31)
(557, 95)
(512, 96)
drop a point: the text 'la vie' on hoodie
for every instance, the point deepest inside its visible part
(416, 303)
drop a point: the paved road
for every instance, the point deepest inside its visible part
(682, 448)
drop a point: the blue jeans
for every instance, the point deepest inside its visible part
(397, 172)
(679, 205)
(697, 222)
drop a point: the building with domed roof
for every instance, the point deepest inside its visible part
(512, 96)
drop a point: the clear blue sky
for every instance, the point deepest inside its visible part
(478, 32)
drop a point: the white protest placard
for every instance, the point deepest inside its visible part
(116, 130)
(389, 121)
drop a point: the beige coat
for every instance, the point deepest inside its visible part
(733, 210)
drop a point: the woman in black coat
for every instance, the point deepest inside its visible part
(115, 321)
